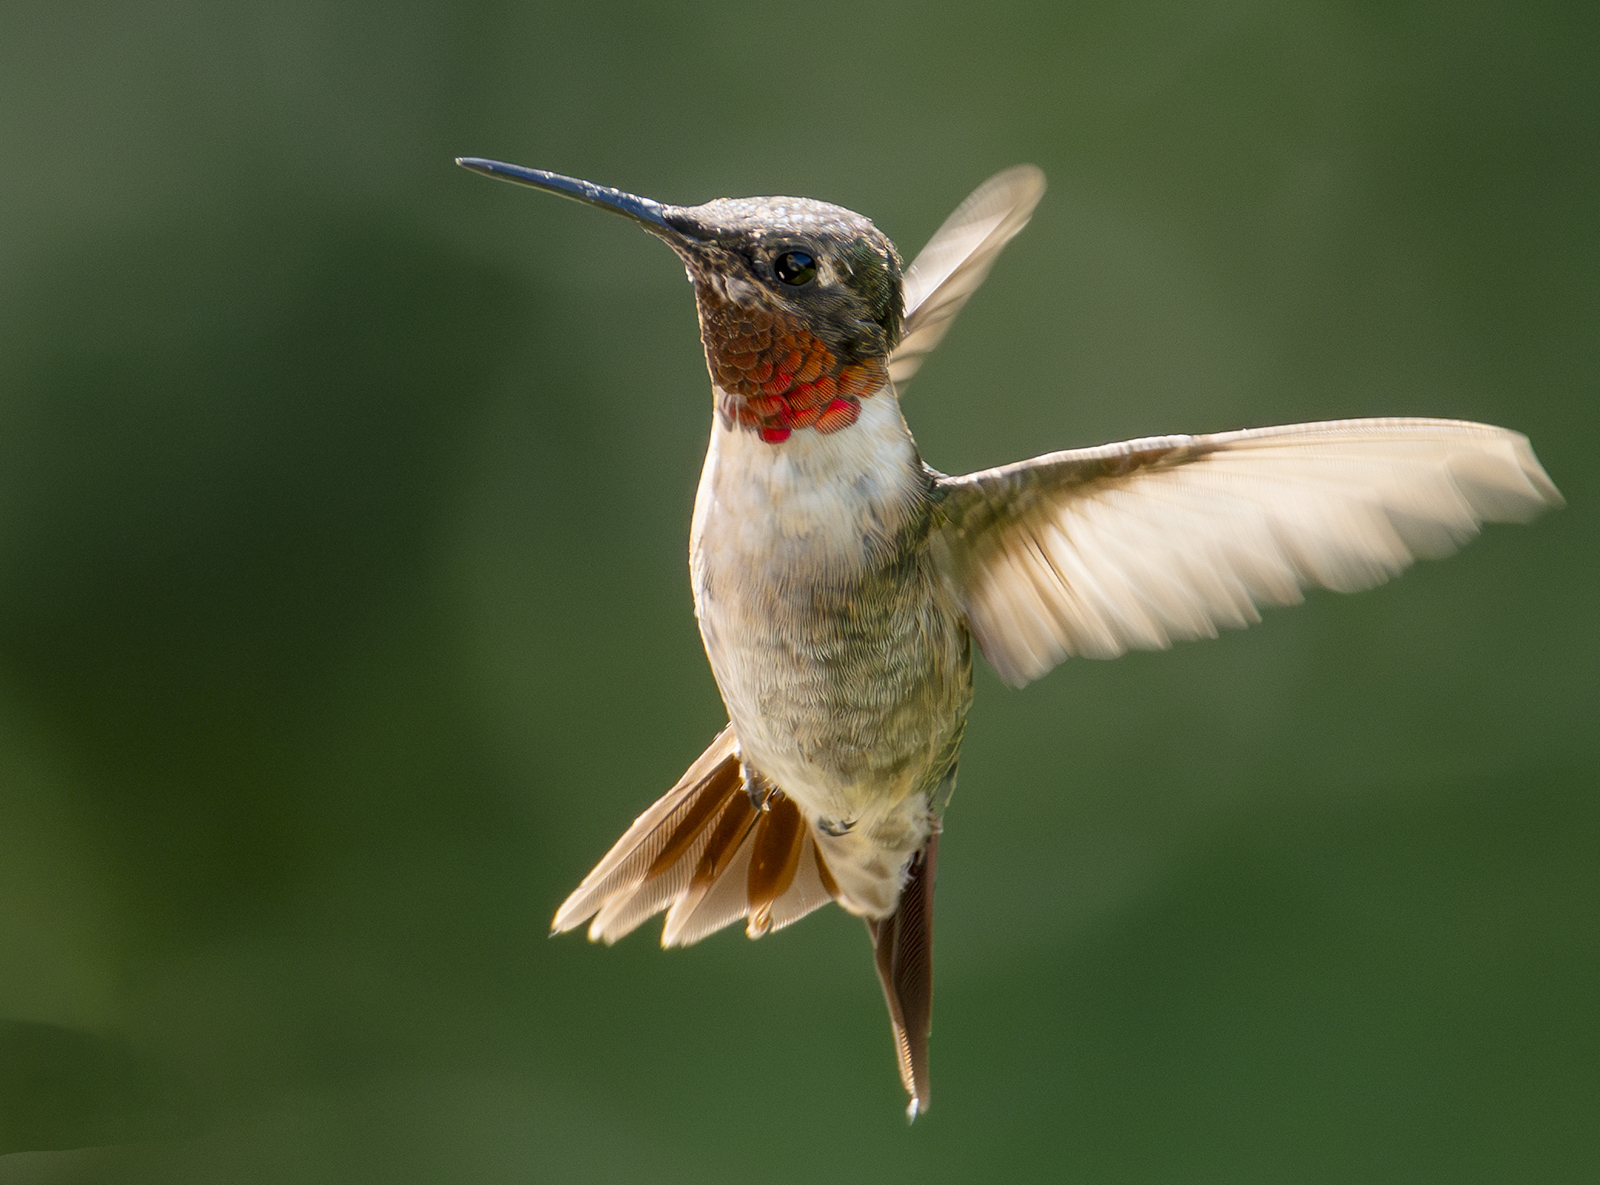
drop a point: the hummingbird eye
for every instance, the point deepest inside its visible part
(795, 268)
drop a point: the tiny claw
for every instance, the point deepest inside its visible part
(913, 1109)
(761, 791)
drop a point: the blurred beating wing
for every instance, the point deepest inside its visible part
(1138, 545)
(958, 258)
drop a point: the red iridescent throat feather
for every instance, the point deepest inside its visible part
(776, 376)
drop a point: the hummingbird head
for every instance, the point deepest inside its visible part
(800, 301)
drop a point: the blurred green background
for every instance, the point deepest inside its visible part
(344, 619)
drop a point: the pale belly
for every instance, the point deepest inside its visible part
(844, 667)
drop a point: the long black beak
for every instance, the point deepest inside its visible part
(652, 215)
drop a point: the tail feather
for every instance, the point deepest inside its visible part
(704, 854)
(721, 895)
(904, 947)
(709, 857)
(691, 828)
(775, 851)
(810, 889)
(696, 827)
(632, 856)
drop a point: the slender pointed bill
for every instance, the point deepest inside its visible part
(651, 214)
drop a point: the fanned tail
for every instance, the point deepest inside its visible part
(707, 856)
(904, 947)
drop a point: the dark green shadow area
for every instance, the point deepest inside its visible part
(63, 1088)
(1394, 992)
(226, 450)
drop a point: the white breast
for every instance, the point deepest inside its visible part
(771, 524)
(805, 503)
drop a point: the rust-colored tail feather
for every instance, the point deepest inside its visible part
(707, 856)
(904, 948)
(774, 859)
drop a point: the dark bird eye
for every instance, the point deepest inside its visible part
(795, 267)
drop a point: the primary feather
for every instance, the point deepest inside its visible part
(957, 260)
(1137, 545)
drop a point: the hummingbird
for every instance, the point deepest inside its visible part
(840, 582)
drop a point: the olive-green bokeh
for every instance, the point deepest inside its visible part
(344, 618)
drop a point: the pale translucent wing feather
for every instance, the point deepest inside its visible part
(958, 258)
(1138, 545)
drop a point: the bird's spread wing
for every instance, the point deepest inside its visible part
(1137, 545)
(958, 258)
